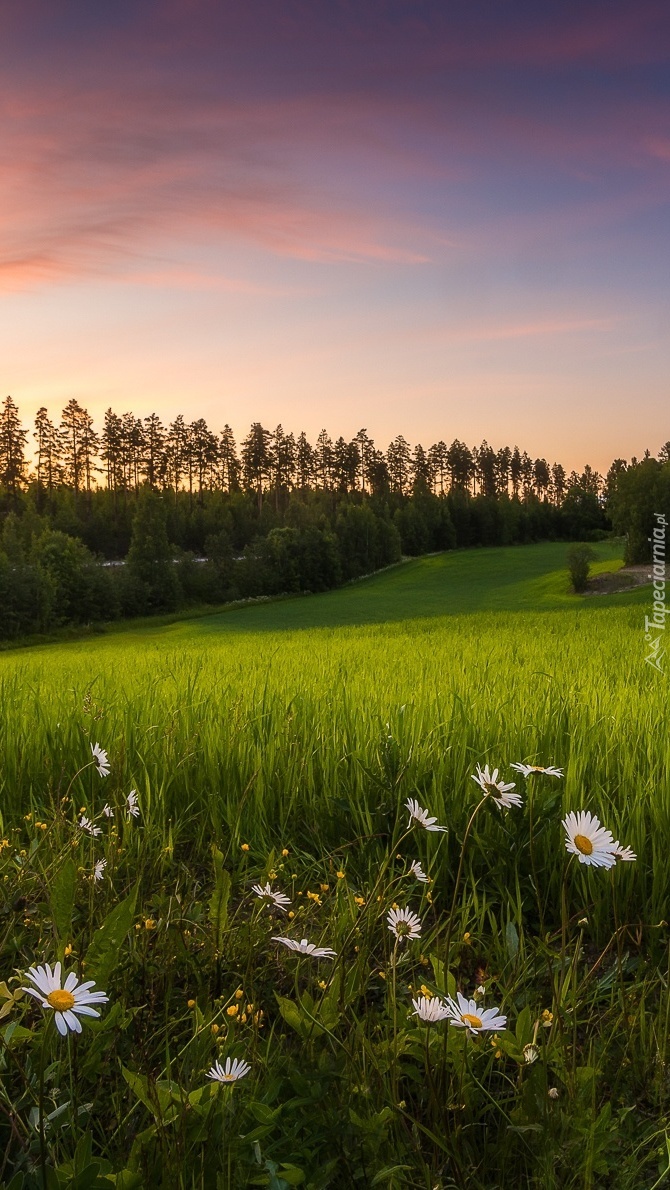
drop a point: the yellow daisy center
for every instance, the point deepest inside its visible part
(536, 768)
(475, 1022)
(61, 1000)
(583, 844)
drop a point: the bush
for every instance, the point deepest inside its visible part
(579, 560)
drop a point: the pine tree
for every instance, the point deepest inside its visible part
(48, 450)
(12, 448)
(257, 460)
(229, 464)
(151, 464)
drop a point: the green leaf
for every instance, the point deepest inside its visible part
(512, 940)
(218, 905)
(389, 1172)
(293, 1016)
(103, 954)
(524, 1027)
(444, 981)
(159, 1097)
(62, 899)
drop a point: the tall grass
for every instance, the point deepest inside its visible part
(311, 742)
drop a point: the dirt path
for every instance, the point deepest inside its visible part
(619, 580)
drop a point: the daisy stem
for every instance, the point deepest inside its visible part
(43, 1145)
(77, 774)
(452, 911)
(394, 1004)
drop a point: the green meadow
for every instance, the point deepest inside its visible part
(278, 742)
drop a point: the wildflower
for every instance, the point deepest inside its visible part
(291, 913)
(233, 1010)
(132, 805)
(69, 1001)
(527, 769)
(418, 814)
(425, 991)
(190, 1003)
(322, 984)
(215, 1029)
(624, 853)
(553, 1092)
(305, 947)
(530, 1054)
(285, 852)
(430, 1009)
(85, 824)
(466, 1014)
(99, 869)
(244, 846)
(278, 899)
(500, 791)
(313, 896)
(68, 950)
(418, 873)
(340, 875)
(466, 937)
(547, 1018)
(359, 900)
(404, 924)
(588, 840)
(107, 810)
(101, 759)
(324, 887)
(230, 1072)
(239, 994)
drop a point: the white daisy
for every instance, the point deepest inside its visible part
(588, 840)
(624, 853)
(278, 899)
(430, 1009)
(467, 1014)
(418, 873)
(107, 811)
(229, 1073)
(132, 804)
(418, 814)
(99, 869)
(527, 769)
(404, 924)
(101, 759)
(85, 824)
(69, 1001)
(305, 947)
(500, 791)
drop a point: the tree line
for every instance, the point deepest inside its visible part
(187, 456)
(192, 519)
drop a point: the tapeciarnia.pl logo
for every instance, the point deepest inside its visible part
(654, 625)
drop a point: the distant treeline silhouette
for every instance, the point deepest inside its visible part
(197, 520)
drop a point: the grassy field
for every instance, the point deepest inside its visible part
(279, 743)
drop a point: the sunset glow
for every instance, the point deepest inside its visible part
(446, 221)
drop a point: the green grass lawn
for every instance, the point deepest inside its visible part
(288, 736)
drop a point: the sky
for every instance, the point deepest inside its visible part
(442, 219)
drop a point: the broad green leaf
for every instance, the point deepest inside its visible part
(104, 952)
(218, 905)
(524, 1027)
(159, 1097)
(512, 940)
(62, 899)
